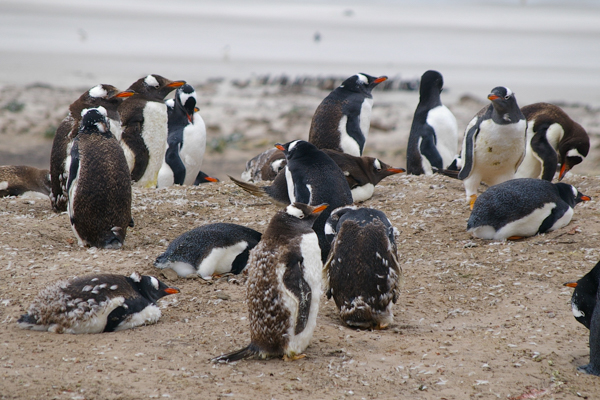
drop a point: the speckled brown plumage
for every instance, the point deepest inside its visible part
(18, 179)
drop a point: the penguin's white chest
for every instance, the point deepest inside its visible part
(444, 124)
(192, 150)
(531, 167)
(154, 133)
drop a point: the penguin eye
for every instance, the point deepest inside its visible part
(507, 97)
(301, 216)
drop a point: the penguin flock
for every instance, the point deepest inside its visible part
(321, 241)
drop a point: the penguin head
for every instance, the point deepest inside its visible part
(583, 300)
(431, 82)
(296, 148)
(93, 120)
(305, 212)
(362, 83)
(185, 97)
(331, 225)
(380, 170)
(154, 87)
(103, 95)
(570, 194)
(150, 287)
(572, 152)
(503, 100)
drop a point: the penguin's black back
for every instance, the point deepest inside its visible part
(585, 295)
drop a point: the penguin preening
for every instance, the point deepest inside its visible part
(99, 185)
(433, 138)
(494, 143)
(96, 304)
(16, 180)
(342, 121)
(523, 207)
(106, 96)
(210, 249)
(186, 141)
(362, 272)
(284, 286)
(552, 138)
(144, 123)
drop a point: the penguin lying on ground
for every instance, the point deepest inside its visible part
(16, 180)
(362, 272)
(284, 286)
(96, 304)
(342, 121)
(583, 305)
(99, 185)
(265, 166)
(523, 207)
(210, 249)
(550, 131)
(433, 139)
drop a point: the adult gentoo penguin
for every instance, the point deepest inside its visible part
(16, 180)
(552, 138)
(144, 121)
(494, 143)
(96, 304)
(523, 207)
(433, 139)
(583, 306)
(210, 249)
(342, 120)
(99, 184)
(106, 96)
(284, 286)
(186, 141)
(362, 272)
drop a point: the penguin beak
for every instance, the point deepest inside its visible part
(280, 146)
(320, 208)
(171, 290)
(380, 79)
(493, 97)
(563, 170)
(396, 170)
(196, 109)
(570, 284)
(583, 197)
(176, 84)
(211, 179)
(126, 93)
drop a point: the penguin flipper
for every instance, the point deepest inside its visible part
(74, 167)
(132, 137)
(294, 281)
(174, 161)
(428, 147)
(545, 152)
(247, 352)
(468, 152)
(353, 130)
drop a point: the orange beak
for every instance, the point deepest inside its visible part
(585, 198)
(571, 284)
(380, 79)
(176, 84)
(493, 97)
(126, 93)
(280, 147)
(171, 290)
(320, 208)
(210, 179)
(563, 171)
(396, 170)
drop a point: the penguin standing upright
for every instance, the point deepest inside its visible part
(99, 184)
(583, 305)
(550, 131)
(433, 139)
(342, 120)
(186, 141)
(144, 121)
(284, 286)
(96, 304)
(494, 143)
(106, 96)
(523, 207)
(16, 180)
(362, 272)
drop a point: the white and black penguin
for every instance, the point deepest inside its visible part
(208, 250)
(96, 304)
(433, 138)
(99, 185)
(342, 121)
(145, 128)
(186, 142)
(284, 286)
(106, 96)
(553, 138)
(583, 306)
(523, 207)
(362, 273)
(202, 177)
(494, 143)
(265, 166)
(17, 180)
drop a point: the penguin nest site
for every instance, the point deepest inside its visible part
(474, 319)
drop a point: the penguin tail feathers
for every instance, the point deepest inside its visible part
(448, 172)
(115, 239)
(247, 352)
(249, 187)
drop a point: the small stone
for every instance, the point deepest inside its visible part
(169, 274)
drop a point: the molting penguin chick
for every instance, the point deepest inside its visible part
(433, 139)
(96, 304)
(186, 141)
(99, 185)
(16, 180)
(144, 121)
(494, 143)
(550, 131)
(106, 96)
(210, 249)
(583, 305)
(523, 207)
(362, 272)
(342, 120)
(284, 286)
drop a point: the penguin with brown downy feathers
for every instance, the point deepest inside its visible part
(16, 180)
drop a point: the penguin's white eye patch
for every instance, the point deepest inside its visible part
(136, 277)
(575, 191)
(294, 212)
(98, 92)
(362, 78)
(377, 165)
(151, 81)
(154, 282)
(292, 145)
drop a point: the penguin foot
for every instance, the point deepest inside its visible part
(515, 237)
(293, 357)
(472, 199)
(589, 369)
(381, 326)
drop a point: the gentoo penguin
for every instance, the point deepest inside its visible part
(362, 272)
(106, 96)
(583, 305)
(433, 139)
(144, 121)
(342, 120)
(284, 286)
(523, 207)
(494, 143)
(550, 131)
(186, 141)
(99, 185)
(16, 180)
(203, 178)
(96, 304)
(210, 250)
(265, 166)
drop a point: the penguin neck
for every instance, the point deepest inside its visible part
(285, 226)
(565, 192)
(430, 99)
(506, 115)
